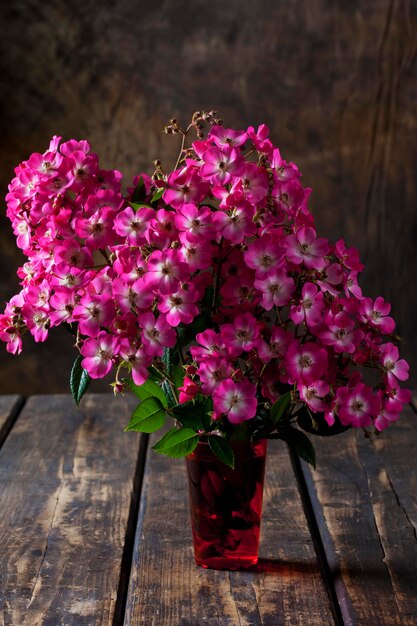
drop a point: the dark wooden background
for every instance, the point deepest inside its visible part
(335, 80)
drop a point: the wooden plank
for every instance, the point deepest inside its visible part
(9, 410)
(66, 482)
(364, 495)
(167, 589)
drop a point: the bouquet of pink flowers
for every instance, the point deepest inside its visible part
(206, 290)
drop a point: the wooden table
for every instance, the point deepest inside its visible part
(95, 530)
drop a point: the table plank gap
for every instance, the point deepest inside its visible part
(66, 482)
(10, 408)
(129, 542)
(166, 587)
(363, 495)
(329, 573)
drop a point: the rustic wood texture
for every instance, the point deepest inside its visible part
(335, 81)
(66, 482)
(364, 495)
(9, 410)
(166, 588)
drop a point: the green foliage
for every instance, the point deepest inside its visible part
(178, 374)
(222, 449)
(157, 195)
(188, 415)
(149, 389)
(177, 442)
(194, 413)
(137, 206)
(148, 416)
(279, 408)
(187, 333)
(79, 380)
(139, 193)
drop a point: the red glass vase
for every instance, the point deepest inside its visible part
(226, 505)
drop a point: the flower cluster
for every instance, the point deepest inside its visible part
(224, 246)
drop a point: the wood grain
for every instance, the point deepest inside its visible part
(166, 588)
(66, 481)
(364, 498)
(9, 410)
(335, 81)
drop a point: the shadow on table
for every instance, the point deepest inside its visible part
(275, 567)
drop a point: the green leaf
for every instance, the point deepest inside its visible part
(186, 333)
(177, 443)
(168, 392)
(319, 426)
(157, 195)
(155, 375)
(279, 408)
(178, 374)
(148, 416)
(167, 360)
(301, 445)
(189, 414)
(139, 206)
(139, 193)
(223, 450)
(149, 389)
(206, 408)
(79, 380)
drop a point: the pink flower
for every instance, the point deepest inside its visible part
(254, 183)
(138, 360)
(212, 345)
(393, 365)
(98, 353)
(304, 247)
(306, 362)
(376, 314)
(358, 405)
(236, 224)
(37, 320)
(180, 306)
(98, 229)
(313, 395)
(310, 308)
(133, 224)
(197, 254)
(330, 278)
(235, 399)
(241, 336)
(349, 257)
(212, 371)
(93, 312)
(227, 137)
(196, 223)
(156, 334)
(165, 270)
(276, 289)
(264, 255)
(63, 304)
(260, 138)
(185, 187)
(221, 166)
(189, 390)
(10, 335)
(340, 333)
(277, 346)
(283, 171)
